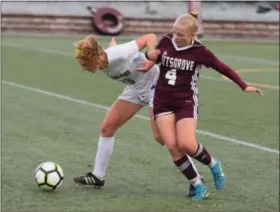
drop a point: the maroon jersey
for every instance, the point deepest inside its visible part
(179, 72)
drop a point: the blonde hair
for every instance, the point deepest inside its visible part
(190, 20)
(89, 49)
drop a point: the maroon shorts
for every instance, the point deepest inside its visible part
(186, 111)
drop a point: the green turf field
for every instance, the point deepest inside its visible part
(51, 110)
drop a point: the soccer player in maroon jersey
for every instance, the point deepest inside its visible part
(176, 96)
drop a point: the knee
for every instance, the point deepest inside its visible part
(172, 147)
(107, 130)
(175, 152)
(182, 146)
(188, 146)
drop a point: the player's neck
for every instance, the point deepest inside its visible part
(187, 43)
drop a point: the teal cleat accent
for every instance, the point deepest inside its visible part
(218, 174)
(199, 192)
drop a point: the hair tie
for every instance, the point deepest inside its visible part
(78, 53)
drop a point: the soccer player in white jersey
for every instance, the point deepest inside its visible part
(119, 62)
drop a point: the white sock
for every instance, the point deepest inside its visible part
(103, 155)
(213, 162)
(196, 180)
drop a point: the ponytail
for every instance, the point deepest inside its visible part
(194, 14)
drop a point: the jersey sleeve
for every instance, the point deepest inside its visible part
(122, 51)
(211, 61)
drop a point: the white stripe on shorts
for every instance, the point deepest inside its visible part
(162, 114)
(195, 115)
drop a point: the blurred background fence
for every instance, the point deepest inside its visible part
(223, 19)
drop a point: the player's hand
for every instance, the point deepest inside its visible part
(113, 42)
(145, 65)
(153, 54)
(250, 89)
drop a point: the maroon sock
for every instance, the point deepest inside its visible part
(186, 167)
(202, 155)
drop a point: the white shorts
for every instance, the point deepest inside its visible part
(131, 95)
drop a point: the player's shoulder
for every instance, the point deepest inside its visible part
(203, 48)
(169, 36)
(198, 43)
(165, 40)
(203, 52)
(200, 47)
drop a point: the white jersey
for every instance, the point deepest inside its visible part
(123, 60)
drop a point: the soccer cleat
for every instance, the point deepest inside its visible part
(199, 192)
(191, 187)
(90, 179)
(218, 174)
(191, 190)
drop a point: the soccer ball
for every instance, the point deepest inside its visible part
(49, 176)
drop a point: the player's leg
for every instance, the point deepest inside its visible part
(159, 139)
(153, 124)
(166, 126)
(154, 128)
(120, 112)
(186, 136)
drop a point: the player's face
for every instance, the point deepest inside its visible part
(182, 34)
(88, 66)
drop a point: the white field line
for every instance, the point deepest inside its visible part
(213, 135)
(131, 37)
(47, 51)
(240, 58)
(249, 59)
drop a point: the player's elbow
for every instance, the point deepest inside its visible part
(148, 40)
(152, 38)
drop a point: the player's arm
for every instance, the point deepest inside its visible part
(125, 50)
(213, 62)
(149, 41)
(153, 56)
(128, 49)
(113, 42)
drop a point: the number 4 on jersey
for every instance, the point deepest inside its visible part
(171, 75)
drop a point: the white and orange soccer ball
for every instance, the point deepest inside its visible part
(49, 176)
